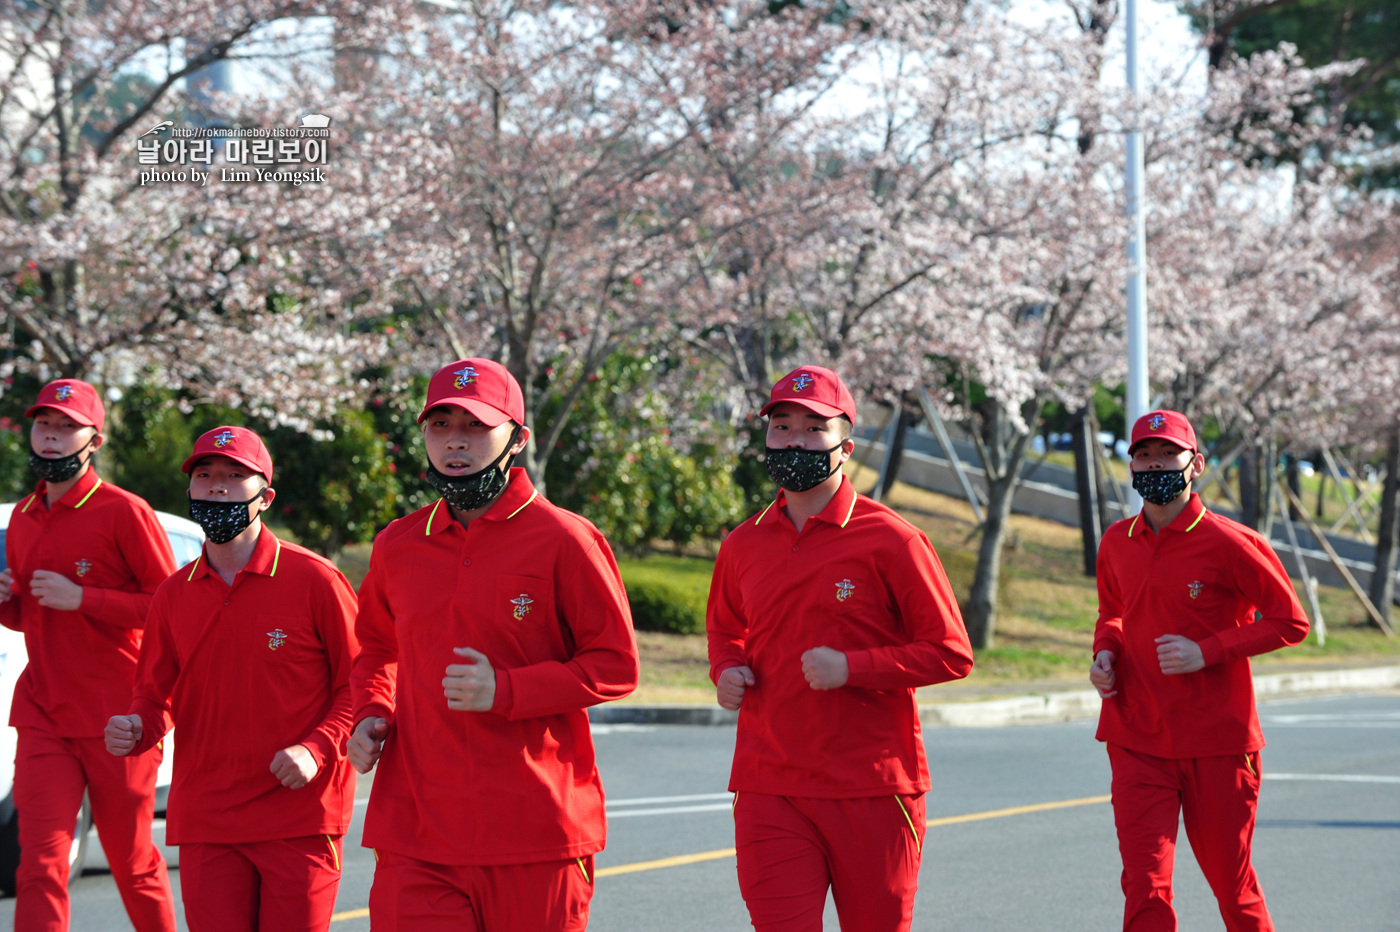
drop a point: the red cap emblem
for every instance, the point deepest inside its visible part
(64, 392)
(464, 376)
(800, 382)
(1156, 422)
(222, 440)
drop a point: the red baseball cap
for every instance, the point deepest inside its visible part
(237, 443)
(816, 389)
(73, 397)
(481, 386)
(1166, 425)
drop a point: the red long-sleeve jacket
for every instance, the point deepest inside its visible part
(858, 579)
(244, 672)
(1206, 578)
(534, 588)
(82, 663)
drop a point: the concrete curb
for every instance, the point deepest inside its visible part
(1074, 705)
(661, 715)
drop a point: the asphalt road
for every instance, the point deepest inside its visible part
(1020, 839)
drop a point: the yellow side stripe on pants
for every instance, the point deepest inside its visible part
(918, 845)
(684, 859)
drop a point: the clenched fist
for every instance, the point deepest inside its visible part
(122, 734)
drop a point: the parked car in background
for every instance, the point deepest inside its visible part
(186, 539)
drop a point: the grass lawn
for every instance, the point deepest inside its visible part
(1044, 629)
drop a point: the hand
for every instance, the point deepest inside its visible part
(825, 668)
(470, 686)
(1177, 654)
(6, 581)
(122, 734)
(54, 590)
(731, 686)
(366, 743)
(294, 766)
(1101, 674)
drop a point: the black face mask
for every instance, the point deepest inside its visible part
(1160, 486)
(478, 489)
(799, 470)
(222, 521)
(59, 468)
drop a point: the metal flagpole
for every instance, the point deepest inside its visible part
(1137, 247)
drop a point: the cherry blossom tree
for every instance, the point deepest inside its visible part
(106, 276)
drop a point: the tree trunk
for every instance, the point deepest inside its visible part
(1388, 536)
(1088, 486)
(908, 417)
(981, 610)
(1268, 479)
(1003, 453)
(1249, 487)
(1295, 482)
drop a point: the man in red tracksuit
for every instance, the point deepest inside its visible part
(826, 611)
(84, 558)
(1186, 597)
(248, 652)
(488, 622)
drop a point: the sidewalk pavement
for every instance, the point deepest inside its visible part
(1031, 709)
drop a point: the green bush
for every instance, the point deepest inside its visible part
(15, 478)
(668, 593)
(336, 488)
(614, 463)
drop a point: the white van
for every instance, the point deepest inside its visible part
(186, 539)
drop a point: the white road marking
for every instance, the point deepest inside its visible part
(720, 807)
(651, 800)
(1333, 777)
(665, 809)
(1336, 720)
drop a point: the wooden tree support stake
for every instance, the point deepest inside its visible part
(1309, 584)
(940, 433)
(1321, 538)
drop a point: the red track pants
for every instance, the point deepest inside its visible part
(1216, 798)
(51, 774)
(410, 895)
(287, 885)
(792, 848)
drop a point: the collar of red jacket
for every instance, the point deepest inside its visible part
(1185, 522)
(519, 493)
(266, 554)
(75, 497)
(837, 511)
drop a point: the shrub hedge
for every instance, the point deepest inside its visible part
(668, 593)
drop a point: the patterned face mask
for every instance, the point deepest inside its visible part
(800, 470)
(1160, 486)
(222, 521)
(478, 489)
(59, 468)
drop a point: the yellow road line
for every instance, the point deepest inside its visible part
(1017, 810)
(350, 914)
(665, 862)
(716, 855)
